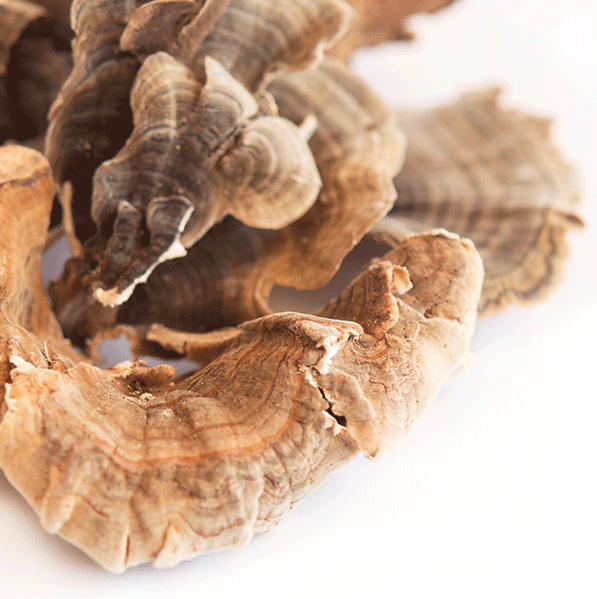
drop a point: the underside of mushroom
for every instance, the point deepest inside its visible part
(197, 154)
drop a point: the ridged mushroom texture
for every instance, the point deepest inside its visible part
(199, 154)
(132, 465)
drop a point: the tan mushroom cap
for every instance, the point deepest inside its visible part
(130, 465)
(26, 195)
(33, 64)
(380, 21)
(494, 176)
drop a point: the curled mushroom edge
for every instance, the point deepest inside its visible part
(133, 465)
(292, 161)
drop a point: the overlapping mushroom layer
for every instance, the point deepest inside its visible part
(494, 176)
(293, 155)
(197, 168)
(132, 465)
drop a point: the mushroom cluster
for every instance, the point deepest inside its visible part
(196, 154)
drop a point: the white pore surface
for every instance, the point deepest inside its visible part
(492, 494)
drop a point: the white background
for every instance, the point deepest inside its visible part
(493, 493)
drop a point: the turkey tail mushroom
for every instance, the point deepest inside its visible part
(197, 153)
(250, 38)
(131, 466)
(492, 175)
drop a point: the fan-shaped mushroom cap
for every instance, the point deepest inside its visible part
(202, 146)
(380, 21)
(131, 466)
(91, 118)
(197, 153)
(250, 38)
(494, 176)
(227, 276)
(26, 320)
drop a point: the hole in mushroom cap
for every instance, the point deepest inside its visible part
(310, 300)
(113, 351)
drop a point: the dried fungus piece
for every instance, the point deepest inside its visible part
(130, 465)
(33, 64)
(176, 26)
(227, 276)
(250, 38)
(494, 176)
(380, 21)
(197, 153)
(26, 195)
(91, 117)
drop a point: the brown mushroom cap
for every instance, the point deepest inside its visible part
(380, 21)
(226, 277)
(130, 465)
(494, 176)
(197, 153)
(34, 62)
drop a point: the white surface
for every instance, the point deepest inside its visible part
(492, 494)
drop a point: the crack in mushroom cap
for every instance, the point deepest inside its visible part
(130, 465)
(494, 176)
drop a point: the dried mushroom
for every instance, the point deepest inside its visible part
(131, 465)
(34, 62)
(494, 176)
(196, 153)
(380, 21)
(205, 151)
(228, 274)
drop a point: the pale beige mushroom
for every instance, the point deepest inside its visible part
(130, 465)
